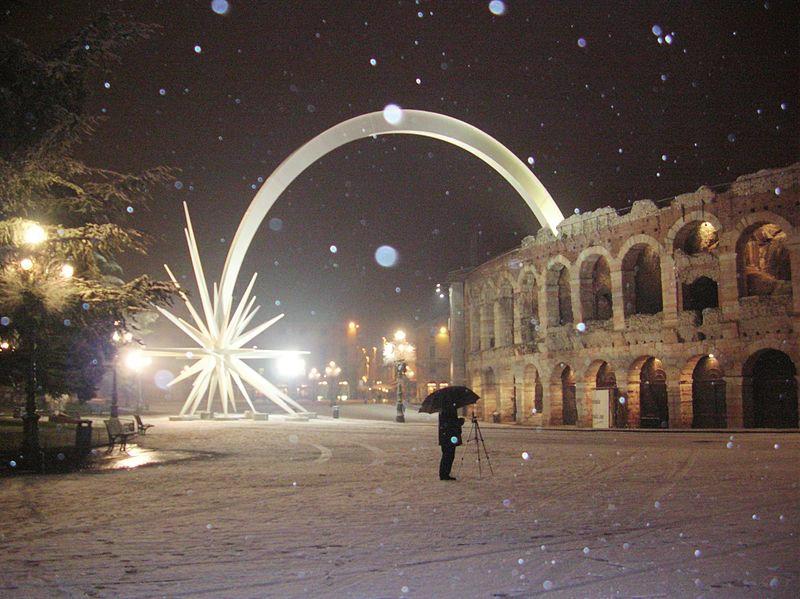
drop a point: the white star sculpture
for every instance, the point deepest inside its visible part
(219, 358)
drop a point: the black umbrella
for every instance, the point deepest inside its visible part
(458, 397)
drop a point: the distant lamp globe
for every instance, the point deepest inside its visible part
(67, 270)
(26, 264)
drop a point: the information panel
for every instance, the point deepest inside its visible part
(600, 409)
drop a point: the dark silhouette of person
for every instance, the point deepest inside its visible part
(449, 438)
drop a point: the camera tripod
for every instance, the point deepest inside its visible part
(476, 436)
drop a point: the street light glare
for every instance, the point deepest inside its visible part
(26, 264)
(399, 335)
(67, 270)
(34, 234)
(290, 366)
(136, 360)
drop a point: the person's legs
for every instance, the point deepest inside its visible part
(448, 455)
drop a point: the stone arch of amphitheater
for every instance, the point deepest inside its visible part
(686, 311)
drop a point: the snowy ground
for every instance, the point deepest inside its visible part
(354, 508)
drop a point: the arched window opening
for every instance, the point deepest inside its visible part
(708, 395)
(653, 404)
(595, 288)
(641, 281)
(702, 293)
(533, 391)
(569, 404)
(697, 237)
(763, 261)
(487, 326)
(529, 309)
(564, 297)
(607, 379)
(770, 391)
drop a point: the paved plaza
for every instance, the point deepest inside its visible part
(354, 508)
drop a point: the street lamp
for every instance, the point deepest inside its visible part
(332, 371)
(398, 354)
(119, 337)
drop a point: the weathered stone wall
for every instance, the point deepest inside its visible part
(540, 308)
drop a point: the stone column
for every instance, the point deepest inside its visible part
(617, 297)
(669, 293)
(632, 393)
(457, 326)
(544, 308)
(575, 299)
(584, 402)
(553, 412)
(734, 406)
(486, 318)
(674, 402)
(728, 285)
(517, 317)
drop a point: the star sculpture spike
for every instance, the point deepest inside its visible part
(219, 357)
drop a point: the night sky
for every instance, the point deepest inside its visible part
(584, 91)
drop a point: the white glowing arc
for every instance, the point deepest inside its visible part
(413, 122)
(221, 334)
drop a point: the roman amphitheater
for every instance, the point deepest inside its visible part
(685, 311)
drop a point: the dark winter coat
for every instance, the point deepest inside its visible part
(449, 427)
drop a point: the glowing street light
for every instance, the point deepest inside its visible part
(34, 234)
(399, 353)
(67, 270)
(26, 264)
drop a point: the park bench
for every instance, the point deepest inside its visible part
(118, 433)
(141, 426)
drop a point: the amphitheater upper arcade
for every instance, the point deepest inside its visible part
(686, 311)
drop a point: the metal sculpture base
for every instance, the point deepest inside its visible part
(475, 437)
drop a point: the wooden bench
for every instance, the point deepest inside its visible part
(118, 433)
(141, 426)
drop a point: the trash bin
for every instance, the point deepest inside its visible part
(496, 418)
(83, 437)
(335, 411)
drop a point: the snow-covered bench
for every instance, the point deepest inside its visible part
(141, 426)
(116, 433)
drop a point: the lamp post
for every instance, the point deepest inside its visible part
(313, 376)
(119, 337)
(399, 353)
(332, 371)
(33, 236)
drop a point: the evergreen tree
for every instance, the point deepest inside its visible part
(63, 222)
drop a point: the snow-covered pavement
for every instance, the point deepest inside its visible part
(354, 508)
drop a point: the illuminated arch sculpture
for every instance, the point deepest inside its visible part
(221, 352)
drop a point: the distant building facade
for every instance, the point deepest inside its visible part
(432, 366)
(687, 313)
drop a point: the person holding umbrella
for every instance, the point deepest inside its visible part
(446, 401)
(449, 438)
